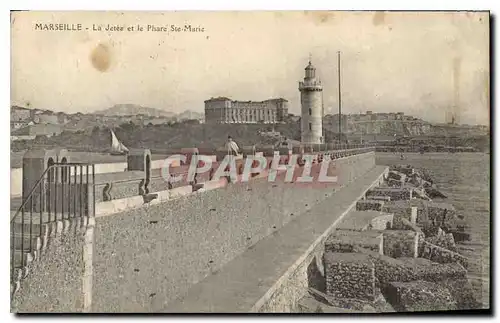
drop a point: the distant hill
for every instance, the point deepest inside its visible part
(134, 109)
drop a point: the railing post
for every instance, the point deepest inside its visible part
(22, 237)
(75, 191)
(81, 191)
(12, 253)
(93, 190)
(56, 172)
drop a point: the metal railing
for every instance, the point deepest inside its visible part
(63, 191)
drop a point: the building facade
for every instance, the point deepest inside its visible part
(19, 114)
(311, 99)
(225, 110)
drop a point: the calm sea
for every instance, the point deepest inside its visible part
(465, 179)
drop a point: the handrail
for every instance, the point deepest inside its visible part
(75, 188)
(40, 180)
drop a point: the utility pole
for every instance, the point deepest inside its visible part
(340, 99)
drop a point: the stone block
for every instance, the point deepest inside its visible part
(419, 296)
(445, 241)
(394, 193)
(380, 198)
(388, 269)
(462, 292)
(382, 222)
(394, 183)
(440, 213)
(349, 275)
(346, 241)
(407, 225)
(400, 243)
(395, 175)
(369, 205)
(440, 255)
(359, 220)
(405, 169)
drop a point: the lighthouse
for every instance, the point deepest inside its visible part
(311, 100)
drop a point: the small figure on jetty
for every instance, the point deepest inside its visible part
(232, 147)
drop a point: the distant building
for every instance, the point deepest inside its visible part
(48, 130)
(155, 121)
(14, 125)
(20, 114)
(225, 110)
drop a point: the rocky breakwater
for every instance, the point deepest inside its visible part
(427, 203)
(395, 252)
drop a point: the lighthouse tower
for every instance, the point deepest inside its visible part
(311, 100)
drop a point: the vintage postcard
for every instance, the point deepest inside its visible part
(250, 162)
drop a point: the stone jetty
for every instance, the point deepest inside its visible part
(395, 252)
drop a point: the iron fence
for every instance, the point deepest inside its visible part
(63, 191)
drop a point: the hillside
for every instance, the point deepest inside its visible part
(379, 127)
(390, 127)
(133, 109)
(163, 136)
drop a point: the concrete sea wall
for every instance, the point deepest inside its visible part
(164, 248)
(146, 257)
(59, 278)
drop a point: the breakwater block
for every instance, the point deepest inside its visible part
(405, 169)
(346, 241)
(365, 220)
(394, 183)
(394, 193)
(463, 293)
(382, 222)
(440, 255)
(441, 212)
(419, 296)
(405, 210)
(369, 205)
(400, 243)
(445, 241)
(405, 269)
(380, 198)
(397, 176)
(350, 275)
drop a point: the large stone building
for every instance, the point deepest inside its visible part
(311, 99)
(225, 110)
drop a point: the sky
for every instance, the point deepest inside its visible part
(422, 64)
